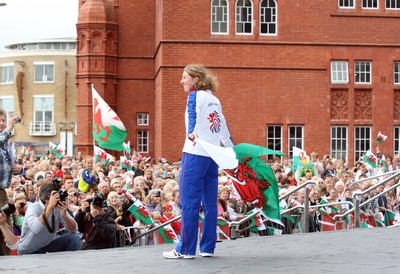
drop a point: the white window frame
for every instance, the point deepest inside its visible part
(396, 73)
(142, 119)
(142, 141)
(9, 70)
(215, 9)
(369, 4)
(274, 138)
(43, 125)
(394, 4)
(396, 140)
(347, 4)
(274, 16)
(362, 73)
(45, 68)
(339, 74)
(295, 140)
(8, 111)
(339, 141)
(238, 15)
(362, 143)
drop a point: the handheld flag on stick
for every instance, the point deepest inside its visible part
(370, 159)
(126, 163)
(56, 150)
(101, 156)
(108, 130)
(381, 138)
(140, 212)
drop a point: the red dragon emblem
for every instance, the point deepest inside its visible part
(372, 159)
(169, 234)
(249, 187)
(143, 212)
(97, 119)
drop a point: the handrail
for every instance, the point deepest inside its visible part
(297, 189)
(234, 226)
(355, 195)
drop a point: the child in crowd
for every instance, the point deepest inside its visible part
(88, 176)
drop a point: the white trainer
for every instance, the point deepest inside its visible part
(173, 254)
(205, 254)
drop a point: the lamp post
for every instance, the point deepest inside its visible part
(67, 136)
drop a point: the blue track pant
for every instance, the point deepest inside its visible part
(198, 182)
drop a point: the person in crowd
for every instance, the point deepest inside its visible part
(67, 182)
(41, 223)
(154, 201)
(10, 240)
(20, 203)
(168, 214)
(118, 210)
(329, 170)
(317, 164)
(199, 173)
(57, 169)
(89, 177)
(7, 165)
(99, 229)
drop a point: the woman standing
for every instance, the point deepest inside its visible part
(198, 183)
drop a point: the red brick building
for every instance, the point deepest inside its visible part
(321, 75)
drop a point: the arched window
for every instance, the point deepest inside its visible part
(219, 17)
(268, 21)
(244, 17)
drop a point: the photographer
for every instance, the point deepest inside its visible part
(43, 219)
(98, 228)
(10, 239)
(7, 165)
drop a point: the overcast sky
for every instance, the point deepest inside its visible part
(26, 20)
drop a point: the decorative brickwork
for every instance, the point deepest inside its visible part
(363, 104)
(339, 104)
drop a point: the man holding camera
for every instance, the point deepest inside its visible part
(98, 228)
(42, 222)
(7, 165)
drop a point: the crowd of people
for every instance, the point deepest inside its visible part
(97, 196)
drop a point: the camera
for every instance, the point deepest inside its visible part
(18, 120)
(57, 187)
(8, 209)
(96, 201)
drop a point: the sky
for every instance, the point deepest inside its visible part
(27, 20)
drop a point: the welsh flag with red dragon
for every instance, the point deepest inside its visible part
(139, 211)
(108, 130)
(252, 178)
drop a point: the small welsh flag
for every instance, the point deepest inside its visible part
(167, 235)
(381, 138)
(139, 211)
(127, 148)
(256, 223)
(370, 159)
(125, 163)
(389, 217)
(101, 156)
(56, 150)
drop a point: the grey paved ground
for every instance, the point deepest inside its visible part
(352, 251)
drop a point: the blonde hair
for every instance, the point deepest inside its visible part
(207, 79)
